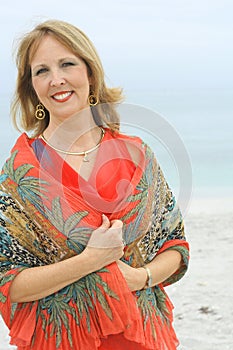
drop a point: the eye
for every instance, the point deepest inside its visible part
(67, 64)
(41, 71)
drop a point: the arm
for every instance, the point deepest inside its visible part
(38, 282)
(161, 267)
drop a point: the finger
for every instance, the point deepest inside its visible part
(105, 222)
(116, 224)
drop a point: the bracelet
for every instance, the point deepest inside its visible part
(148, 283)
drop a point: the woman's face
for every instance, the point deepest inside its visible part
(60, 79)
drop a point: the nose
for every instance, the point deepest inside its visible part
(57, 79)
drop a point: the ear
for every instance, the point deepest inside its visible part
(91, 80)
(91, 88)
(89, 72)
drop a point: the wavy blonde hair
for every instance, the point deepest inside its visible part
(25, 98)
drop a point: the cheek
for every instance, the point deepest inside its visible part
(81, 79)
(38, 87)
(34, 85)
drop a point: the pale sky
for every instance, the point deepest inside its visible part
(151, 43)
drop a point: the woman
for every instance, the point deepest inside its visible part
(90, 231)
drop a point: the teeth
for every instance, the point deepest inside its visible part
(62, 96)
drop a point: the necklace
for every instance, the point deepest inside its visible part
(83, 153)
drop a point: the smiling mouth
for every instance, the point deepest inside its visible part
(62, 96)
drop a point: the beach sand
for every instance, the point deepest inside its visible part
(203, 299)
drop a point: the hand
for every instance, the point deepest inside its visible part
(105, 244)
(135, 277)
(108, 235)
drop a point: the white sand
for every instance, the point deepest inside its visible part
(203, 299)
(4, 337)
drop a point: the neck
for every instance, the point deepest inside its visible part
(76, 133)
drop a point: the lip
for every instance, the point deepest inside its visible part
(62, 96)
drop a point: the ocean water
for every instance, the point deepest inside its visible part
(204, 121)
(200, 120)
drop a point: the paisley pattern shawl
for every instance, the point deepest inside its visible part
(43, 222)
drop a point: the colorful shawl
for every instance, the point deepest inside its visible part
(46, 216)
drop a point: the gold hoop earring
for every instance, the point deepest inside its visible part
(40, 113)
(93, 100)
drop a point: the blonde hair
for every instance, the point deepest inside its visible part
(25, 99)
